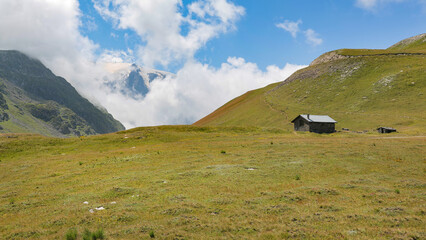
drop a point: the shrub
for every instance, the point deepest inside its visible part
(397, 191)
(223, 152)
(151, 234)
(99, 234)
(297, 177)
(87, 235)
(71, 234)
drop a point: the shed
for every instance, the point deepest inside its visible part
(314, 123)
(386, 130)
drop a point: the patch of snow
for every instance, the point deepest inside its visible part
(114, 202)
(85, 202)
(91, 211)
(100, 208)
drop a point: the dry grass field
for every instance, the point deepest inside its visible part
(183, 182)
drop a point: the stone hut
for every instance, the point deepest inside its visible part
(386, 130)
(314, 123)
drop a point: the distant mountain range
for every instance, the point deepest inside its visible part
(34, 100)
(360, 88)
(132, 80)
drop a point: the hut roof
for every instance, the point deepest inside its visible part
(316, 118)
(388, 128)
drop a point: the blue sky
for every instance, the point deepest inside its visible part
(339, 24)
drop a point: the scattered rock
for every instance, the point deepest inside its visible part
(327, 57)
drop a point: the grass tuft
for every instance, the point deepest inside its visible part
(71, 234)
(99, 234)
(88, 235)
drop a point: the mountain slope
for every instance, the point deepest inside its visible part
(416, 43)
(360, 88)
(132, 80)
(38, 101)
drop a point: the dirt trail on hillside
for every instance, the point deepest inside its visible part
(273, 109)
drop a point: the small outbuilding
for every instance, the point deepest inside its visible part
(314, 123)
(386, 130)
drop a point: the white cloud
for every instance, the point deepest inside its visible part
(293, 28)
(169, 35)
(195, 91)
(312, 38)
(49, 31)
(366, 4)
(289, 26)
(372, 5)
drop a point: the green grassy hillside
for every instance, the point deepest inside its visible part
(33, 99)
(362, 89)
(186, 182)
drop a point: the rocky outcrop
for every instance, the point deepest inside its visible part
(407, 42)
(327, 57)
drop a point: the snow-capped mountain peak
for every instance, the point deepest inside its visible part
(132, 79)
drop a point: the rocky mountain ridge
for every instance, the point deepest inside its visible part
(33, 99)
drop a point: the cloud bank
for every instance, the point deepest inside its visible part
(196, 90)
(169, 32)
